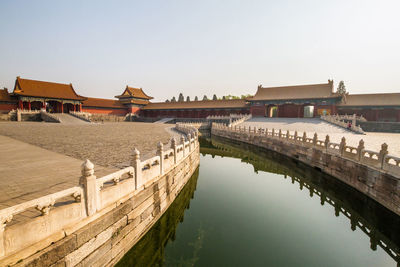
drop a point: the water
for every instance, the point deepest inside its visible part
(250, 207)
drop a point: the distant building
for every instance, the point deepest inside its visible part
(297, 101)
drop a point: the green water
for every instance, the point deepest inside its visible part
(250, 207)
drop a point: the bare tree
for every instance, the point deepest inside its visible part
(215, 97)
(188, 99)
(167, 101)
(205, 97)
(196, 98)
(173, 99)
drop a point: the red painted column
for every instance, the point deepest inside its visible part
(21, 104)
(44, 105)
(62, 107)
(29, 105)
(74, 107)
(80, 107)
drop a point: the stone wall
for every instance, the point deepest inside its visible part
(376, 174)
(97, 222)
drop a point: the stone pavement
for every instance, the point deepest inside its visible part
(107, 144)
(28, 172)
(372, 141)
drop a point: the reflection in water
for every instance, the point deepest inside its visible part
(378, 223)
(225, 227)
(150, 250)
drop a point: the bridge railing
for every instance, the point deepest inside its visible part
(61, 211)
(377, 159)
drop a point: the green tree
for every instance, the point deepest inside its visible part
(188, 99)
(181, 98)
(215, 97)
(173, 99)
(196, 98)
(341, 88)
(205, 97)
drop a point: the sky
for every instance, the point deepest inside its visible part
(201, 47)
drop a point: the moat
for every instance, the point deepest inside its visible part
(246, 206)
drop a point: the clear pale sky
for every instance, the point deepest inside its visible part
(201, 47)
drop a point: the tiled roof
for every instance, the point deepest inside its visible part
(206, 104)
(5, 96)
(25, 87)
(101, 102)
(389, 99)
(134, 92)
(310, 91)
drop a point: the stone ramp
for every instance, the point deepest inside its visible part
(164, 120)
(28, 172)
(66, 118)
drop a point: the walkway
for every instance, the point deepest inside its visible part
(372, 141)
(28, 172)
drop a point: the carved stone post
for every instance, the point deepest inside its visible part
(315, 138)
(287, 134)
(295, 136)
(160, 153)
(88, 182)
(360, 149)
(304, 137)
(137, 164)
(183, 144)
(280, 134)
(273, 132)
(342, 146)
(173, 146)
(266, 131)
(383, 153)
(190, 142)
(354, 121)
(327, 141)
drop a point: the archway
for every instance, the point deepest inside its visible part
(308, 111)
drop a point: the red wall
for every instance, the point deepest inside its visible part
(257, 111)
(5, 107)
(105, 111)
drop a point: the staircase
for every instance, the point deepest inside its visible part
(66, 118)
(164, 120)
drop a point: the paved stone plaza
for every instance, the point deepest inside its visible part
(108, 144)
(42, 158)
(372, 141)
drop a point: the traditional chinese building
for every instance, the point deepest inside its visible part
(54, 97)
(297, 101)
(195, 109)
(134, 99)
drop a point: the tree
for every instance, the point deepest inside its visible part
(173, 99)
(188, 99)
(205, 97)
(215, 97)
(223, 98)
(167, 101)
(181, 98)
(341, 88)
(196, 98)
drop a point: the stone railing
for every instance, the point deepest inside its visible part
(85, 116)
(48, 117)
(339, 121)
(350, 117)
(378, 173)
(240, 120)
(63, 213)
